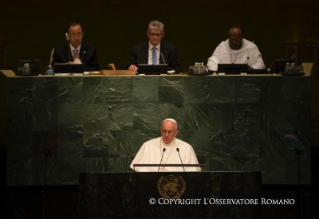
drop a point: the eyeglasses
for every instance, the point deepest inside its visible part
(164, 132)
(74, 35)
(156, 34)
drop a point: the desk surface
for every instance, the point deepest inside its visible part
(120, 73)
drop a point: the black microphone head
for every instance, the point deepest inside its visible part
(67, 37)
(177, 149)
(164, 149)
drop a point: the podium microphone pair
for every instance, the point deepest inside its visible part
(177, 149)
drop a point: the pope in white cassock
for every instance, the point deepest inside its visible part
(236, 49)
(152, 151)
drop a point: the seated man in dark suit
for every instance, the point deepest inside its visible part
(75, 51)
(154, 51)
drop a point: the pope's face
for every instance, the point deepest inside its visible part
(155, 36)
(168, 131)
(235, 37)
(75, 35)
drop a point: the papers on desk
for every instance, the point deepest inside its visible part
(223, 73)
(61, 74)
(168, 73)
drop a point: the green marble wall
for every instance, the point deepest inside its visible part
(97, 124)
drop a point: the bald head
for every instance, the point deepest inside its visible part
(235, 36)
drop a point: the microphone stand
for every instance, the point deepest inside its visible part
(180, 158)
(163, 58)
(164, 149)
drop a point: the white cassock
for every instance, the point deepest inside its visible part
(151, 153)
(224, 54)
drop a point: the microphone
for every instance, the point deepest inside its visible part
(247, 60)
(163, 58)
(68, 39)
(180, 158)
(164, 149)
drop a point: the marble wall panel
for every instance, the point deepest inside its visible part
(222, 90)
(247, 89)
(196, 93)
(145, 90)
(96, 124)
(171, 90)
(221, 116)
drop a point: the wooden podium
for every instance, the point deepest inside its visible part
(140, 195)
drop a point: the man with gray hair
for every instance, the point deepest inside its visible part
(166, 150)
(154, 51)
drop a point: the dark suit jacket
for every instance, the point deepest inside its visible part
(63, 54)
(139, 55)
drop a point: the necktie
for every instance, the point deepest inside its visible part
(75, 54)
(154, 59)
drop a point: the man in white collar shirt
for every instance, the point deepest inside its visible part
(175, 150)
(236, 49)
(74, 51)
(154, 51)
